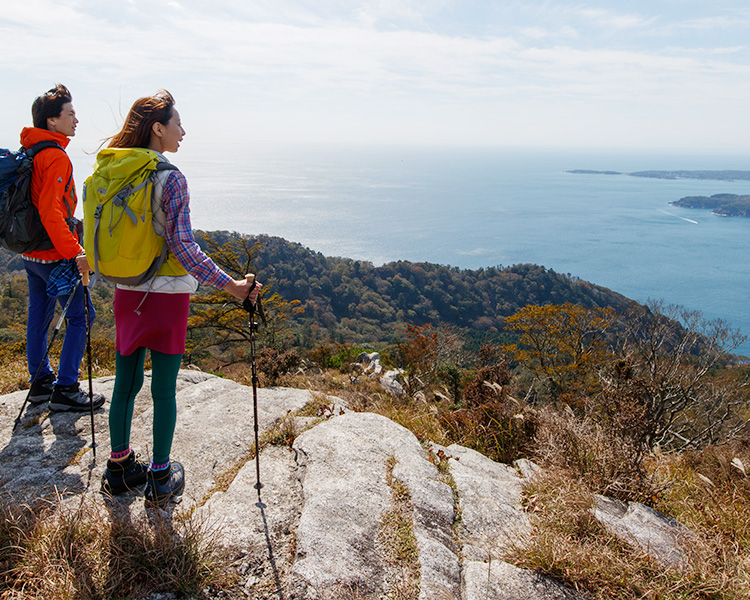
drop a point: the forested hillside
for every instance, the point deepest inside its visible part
(353, 301)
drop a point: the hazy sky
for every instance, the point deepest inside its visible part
(672, 74)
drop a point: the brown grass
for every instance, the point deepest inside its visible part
(567, 543)
(53, 552)
(605, 463)
(14, 375)
(399, 543)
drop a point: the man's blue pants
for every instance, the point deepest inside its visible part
(41, 312)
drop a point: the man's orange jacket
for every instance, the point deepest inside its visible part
(52, 192)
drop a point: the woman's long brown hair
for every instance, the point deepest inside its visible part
(136, 132)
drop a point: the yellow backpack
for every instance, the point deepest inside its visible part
(123, 223)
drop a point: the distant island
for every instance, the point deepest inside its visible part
(725, 205)
(729, 175)
(590, 172)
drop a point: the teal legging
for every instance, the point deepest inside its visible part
(128, 382)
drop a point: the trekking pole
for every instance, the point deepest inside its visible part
(252, 309)
(86, 301)
(46, 354)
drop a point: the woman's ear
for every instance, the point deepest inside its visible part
(157, 129)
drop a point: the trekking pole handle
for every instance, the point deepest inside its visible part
(85, 279)
(246, 304)
(251, 307)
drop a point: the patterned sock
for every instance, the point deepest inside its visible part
(119, 456)
(160, 471)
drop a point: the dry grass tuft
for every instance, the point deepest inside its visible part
(567, 543)
(418, 417)
(14, 375)
(53, 552)
(605, 463)
(399, 542)
(281, 433)
(320, 406)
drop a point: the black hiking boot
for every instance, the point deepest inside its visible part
(124, 476)
(165, 484)
(41, 389)
(72, 397)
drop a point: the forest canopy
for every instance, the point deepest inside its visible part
(354, 301)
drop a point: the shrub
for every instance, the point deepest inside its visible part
(607, 463)
(334, 356)
(678, 359)
(492, 422)
(272, 364)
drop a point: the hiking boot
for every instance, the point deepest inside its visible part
(124, 476)
(41, 389)
(164, 484)
(72, 397)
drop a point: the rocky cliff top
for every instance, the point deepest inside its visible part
(316, 526)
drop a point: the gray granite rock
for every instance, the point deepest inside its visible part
(492, 520)
(371, 363)
(497, 580)
(260, 524)
(51, 453)
(343, 468)
(490, 496)
(660, 536)
(393, 382)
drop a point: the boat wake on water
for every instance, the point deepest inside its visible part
(678, 216)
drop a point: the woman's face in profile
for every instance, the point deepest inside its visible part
(172, 133)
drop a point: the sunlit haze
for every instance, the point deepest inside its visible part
(671, 74)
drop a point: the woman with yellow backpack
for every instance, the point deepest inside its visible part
(151, 310)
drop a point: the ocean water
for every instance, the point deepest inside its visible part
(479, 207)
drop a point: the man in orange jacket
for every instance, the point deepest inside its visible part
(53, 193)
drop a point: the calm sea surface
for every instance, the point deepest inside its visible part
(475, 208)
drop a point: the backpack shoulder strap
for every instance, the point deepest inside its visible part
(159, 219)
(43, 145)
(166, 166)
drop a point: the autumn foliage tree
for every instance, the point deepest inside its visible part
(564, 345)
(428, 354)
(222, 315)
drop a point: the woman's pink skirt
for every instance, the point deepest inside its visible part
(160, 322)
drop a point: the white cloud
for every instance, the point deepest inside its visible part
(738, 20)
(386, 68)
(610, 20)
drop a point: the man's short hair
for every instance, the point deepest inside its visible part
(49, 105)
